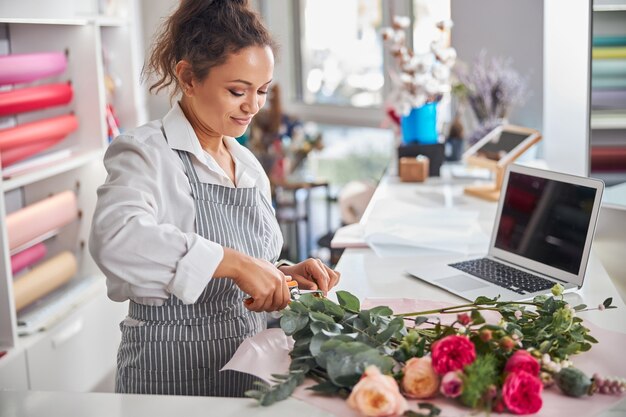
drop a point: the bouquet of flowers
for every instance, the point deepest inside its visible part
(418, 78)
(375, 358)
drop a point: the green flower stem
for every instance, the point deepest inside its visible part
(463, 308)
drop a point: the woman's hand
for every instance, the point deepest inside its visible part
(260, 279)
(312, 274)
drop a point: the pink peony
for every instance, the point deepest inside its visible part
(521, 393)
(521, 360)
(377, 395)
(420, 379)
(452, 353)
(451, 385)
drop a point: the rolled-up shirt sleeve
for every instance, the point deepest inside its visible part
(143, 256)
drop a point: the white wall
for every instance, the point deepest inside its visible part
(152, 14)
(505, 28)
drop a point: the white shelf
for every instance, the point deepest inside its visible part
(74, 161)
(64, 22)
(608, 120)
(609, 5)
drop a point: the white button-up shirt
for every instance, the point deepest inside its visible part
(143, 235)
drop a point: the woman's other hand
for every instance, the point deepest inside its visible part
(260, 279)
(312, 274)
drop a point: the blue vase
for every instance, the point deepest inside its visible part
(421, 125)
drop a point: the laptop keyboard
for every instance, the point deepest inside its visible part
(503, 275)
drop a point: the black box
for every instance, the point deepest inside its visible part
(434, 152)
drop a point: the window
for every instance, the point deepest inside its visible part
(341, 52)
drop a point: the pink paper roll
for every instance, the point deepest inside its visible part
(23, 100)
(44, 279)
(28, 257)
(11, 156)
(39, 131)
(40, 218)
(23, 68)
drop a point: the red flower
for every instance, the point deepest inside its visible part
(522, 361)
(452, 353)
(521, 393)
(463, 318)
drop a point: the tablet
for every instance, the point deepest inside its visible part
(501, 146)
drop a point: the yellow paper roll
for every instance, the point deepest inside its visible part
(44, 278)
(42, 217)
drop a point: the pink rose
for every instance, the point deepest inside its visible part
(452, 353)
(420, 379)
(521, 360)
(451, 385)
(377, 395)
(521, 393)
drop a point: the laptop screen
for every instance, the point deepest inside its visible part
(545, 220)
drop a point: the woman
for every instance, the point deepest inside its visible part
(183, 226)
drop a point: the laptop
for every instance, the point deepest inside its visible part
(542, 235)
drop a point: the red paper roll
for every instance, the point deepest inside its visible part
(23, 68)
(13, 155)
(35, 98)
(39, 131)
(28, 257)
(40, 218)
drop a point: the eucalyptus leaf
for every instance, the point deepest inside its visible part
(332, 309)
(298, 307)
(381, 311)
(325, 388)
(580, 307)
(348, 301)
(420, 320)
(324, 318)
(291, 322)
(607, 303)
(316, 343)
(346, 362)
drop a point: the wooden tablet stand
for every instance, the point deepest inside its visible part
(491, 192)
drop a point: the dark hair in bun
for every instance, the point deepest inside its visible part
(204, 33)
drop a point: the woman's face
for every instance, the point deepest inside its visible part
(232, 93)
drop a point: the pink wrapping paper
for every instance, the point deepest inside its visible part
(40, 218)
(23, 68)
(28, 257)
(269, 352)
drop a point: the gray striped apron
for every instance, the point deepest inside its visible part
(179, 349)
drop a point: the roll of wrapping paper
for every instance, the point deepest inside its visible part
(609, 41)
(39, 131)
(40, 218)
(23, 68)
(11, 156)
(23, 100)
(608, 52)
(609, 83)
(608, 67)
(43, 279)
(608, 99)
(28, 257)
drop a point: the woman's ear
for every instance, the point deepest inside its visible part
(184, 74)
